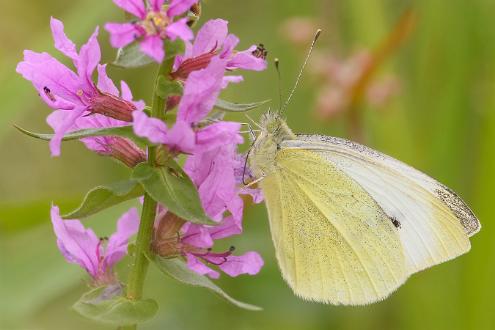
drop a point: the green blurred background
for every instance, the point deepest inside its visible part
(442, 122)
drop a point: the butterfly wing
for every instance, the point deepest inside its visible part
(435, 224)
(333, 242)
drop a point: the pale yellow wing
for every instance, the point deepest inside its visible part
(333, 242)
(435, 222)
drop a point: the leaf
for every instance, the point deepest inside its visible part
(178, 270)
(170, 186)
(238, 107)
(132, 57)
(122, 131)
(107, 305)
(167, 88)
(103, 197)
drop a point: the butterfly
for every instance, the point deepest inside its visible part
(350, 224)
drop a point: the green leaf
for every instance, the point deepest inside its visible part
(170, 186)
(122, 131)
(103, 197)
(132, 57)
(107, 305)
(166, 87)
(178, 270)
(238, 107)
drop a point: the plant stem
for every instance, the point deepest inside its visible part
(139, 266)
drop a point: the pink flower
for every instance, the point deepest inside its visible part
(181, 138)
(195, 243)
(119, 148)
(75, 93)
(213, 40)
(212, 169)
(96, 255)
(154, 25)
(201, 91)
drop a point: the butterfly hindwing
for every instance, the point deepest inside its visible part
(333, 241)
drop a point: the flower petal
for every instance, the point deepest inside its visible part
(196, 235)
(211, 36)
(179, 7)
(194, 264)
(89, 57)
(77, 244)
(180, 29)
(231, 79)
(181, 137)
(229, 44)
(153, 47)
(153, 129)
(63, 128)
(48, 74)
(156, 5)
(247, 61)
(135, 7)
(62, 43)
(216, 135)
(212, 166)
(249, 263)
(127, 226)
(228, 227)
(105, 84)
(121, 34)
(201, 91)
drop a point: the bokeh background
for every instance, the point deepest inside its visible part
(441, 120)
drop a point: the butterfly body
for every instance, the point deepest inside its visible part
(350, 224)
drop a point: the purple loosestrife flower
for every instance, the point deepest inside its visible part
(201, 91)
(75, 93)
(213, 40)
(154, 24)
(96, 255)
(119, 148)
(212, 169)
(195, 242)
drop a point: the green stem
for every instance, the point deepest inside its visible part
(139, 266)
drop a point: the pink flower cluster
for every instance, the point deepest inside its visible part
(213, 163)
(153, 25)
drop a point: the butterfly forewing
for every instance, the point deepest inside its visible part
(434, 224)
(333, 241)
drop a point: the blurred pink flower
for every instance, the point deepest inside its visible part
(342, 77)
(299, 30)
(380, 92)
(75, 93)
(96, 255)
(154, 25)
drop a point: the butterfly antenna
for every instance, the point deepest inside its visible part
(317, 35)
(279, 80)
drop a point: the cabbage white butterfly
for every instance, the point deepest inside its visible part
(350, 224)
